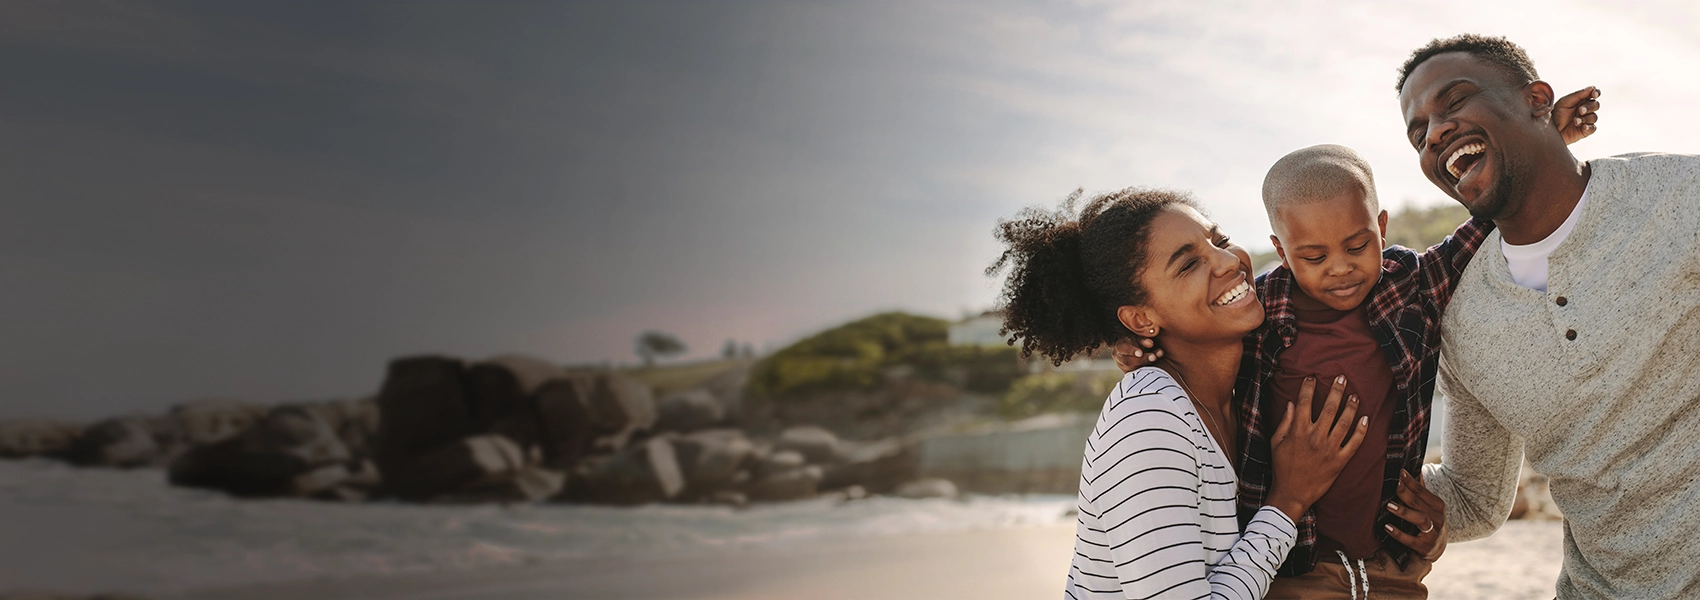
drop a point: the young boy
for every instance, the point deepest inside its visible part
(1341, 304)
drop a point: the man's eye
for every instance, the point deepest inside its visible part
(1224, 242)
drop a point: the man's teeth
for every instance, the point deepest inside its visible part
(1470, 148)
(1234, 295)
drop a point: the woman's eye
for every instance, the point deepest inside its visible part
(1315, 260)
(1358, 249)
(1188, 266)
(1224, 242)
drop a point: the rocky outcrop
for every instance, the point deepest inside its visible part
(123, 443)
(31, 438)
(291, 451)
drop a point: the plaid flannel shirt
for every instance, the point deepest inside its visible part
(1404, 309)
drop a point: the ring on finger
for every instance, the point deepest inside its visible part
(1430, 528)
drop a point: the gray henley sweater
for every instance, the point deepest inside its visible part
(1597, 379)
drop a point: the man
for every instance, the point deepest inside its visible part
(1574, 335)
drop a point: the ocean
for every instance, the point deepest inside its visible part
(101, 530)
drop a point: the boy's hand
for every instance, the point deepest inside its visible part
(1576, 114)
(1423, 509)
(1131, 355)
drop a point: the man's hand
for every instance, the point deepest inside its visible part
(1131, 355)
(1576, 114)
(1423, 509)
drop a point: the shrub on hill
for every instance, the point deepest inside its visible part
(857, 355)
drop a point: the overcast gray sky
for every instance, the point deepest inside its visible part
(269, 201)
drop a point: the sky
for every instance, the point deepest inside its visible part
(269, 201)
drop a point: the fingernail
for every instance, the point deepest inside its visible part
(1393, 507)
(1354, 399)
(1340, 380)
(1363, 421)
(1389, 527)
(1582, 111)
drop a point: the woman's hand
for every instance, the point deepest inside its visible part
(1424, 510)
(1130, 355)
(1576, 113)
(1309, 454)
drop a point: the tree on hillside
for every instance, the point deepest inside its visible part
(653, 344)
(730, 350)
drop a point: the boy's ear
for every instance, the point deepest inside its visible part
(1138, 320)
(1381, 222)
(1279, 251)
(1540, 97)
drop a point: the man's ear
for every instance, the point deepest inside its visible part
(1381, 222)
(1138, 320)
(1279, 251)
(1540, 98)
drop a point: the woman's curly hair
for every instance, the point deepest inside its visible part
(1069, 272)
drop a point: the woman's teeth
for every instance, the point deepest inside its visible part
(1462, 151)
(1234, 295)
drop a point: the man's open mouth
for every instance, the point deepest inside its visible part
(1463, 158)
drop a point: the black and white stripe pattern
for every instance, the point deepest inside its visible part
(1157, 516)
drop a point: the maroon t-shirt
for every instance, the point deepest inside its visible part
(1332, 343)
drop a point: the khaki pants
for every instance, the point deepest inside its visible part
(1330, 580)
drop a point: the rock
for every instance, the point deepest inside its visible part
(878, 466)
(815, 444)
(125, 442)
(712, 458)
(620, 406)
(930, 487)
(207, 422)
(24, 439)
(503, 396)
(780, 462)
(422, 408)
(689, 411)
(455, 466)
(794, 484)
(318, 480)
(639, 474)
(290, 452)
(564, 411)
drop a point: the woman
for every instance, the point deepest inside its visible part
(1157, 492)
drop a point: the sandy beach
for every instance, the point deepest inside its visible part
(1521, 561)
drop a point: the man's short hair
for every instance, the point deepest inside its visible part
(1315, 174)
(1509, 58)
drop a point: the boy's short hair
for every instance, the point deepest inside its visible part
(1315, 174)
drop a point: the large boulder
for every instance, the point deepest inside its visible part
(290, 452)
(585, 414)
(28, 438)
(814, 443)
(620, 407)
(207, 422)
(564, 413)
(355, 422)
(689, 410)
(503, 396)
(423, 406)
(123, 442)
(712, 458)
(639, 474)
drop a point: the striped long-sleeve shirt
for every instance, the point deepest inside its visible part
(1157, 515)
